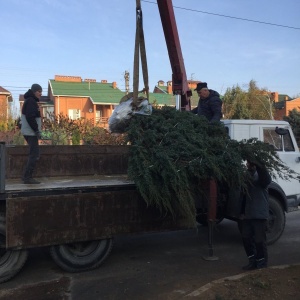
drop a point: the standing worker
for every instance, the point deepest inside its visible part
(209, 105)
(254, 216)
(31, 126)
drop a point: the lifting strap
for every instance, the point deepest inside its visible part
(139, 49)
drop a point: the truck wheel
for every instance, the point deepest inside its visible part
(83, 256)
(276, 221)
(11, 261)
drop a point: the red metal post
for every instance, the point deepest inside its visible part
(212, 205)
(211, 218)
(179, 79)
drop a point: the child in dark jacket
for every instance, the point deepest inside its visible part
(254, 215)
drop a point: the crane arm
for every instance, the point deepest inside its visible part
(179, 78)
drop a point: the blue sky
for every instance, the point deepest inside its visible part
(95, 39)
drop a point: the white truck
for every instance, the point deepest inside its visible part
(86, 199)
(284, 195)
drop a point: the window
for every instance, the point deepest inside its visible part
(74, 114)
(98, 115)
(280, 142)
(272, 138)
(288, 143)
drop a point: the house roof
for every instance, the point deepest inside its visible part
(162, 99)
(163, 88)
(168, 99)
(165, 98)
(284, 97)
(98, 92)
(4, 91)
(104, 93)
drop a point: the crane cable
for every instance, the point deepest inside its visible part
(139, 49)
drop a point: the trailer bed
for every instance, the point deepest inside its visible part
(66, 184)
(84, 195)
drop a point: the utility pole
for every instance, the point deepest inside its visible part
(126, 76)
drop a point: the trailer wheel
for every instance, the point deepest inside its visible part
(11, 261)
(276, 221)
(83, 256)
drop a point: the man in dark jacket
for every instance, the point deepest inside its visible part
(209, 105)
(254, 215)
(31, 125)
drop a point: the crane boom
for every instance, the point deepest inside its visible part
(179, 79)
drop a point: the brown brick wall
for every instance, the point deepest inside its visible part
(63, 104)
(3, 107)
(288, 106)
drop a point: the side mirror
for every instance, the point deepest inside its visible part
(281, 131)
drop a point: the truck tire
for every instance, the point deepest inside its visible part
(11, 261)
(83, 256)
(276, 221)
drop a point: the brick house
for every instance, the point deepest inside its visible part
(161, 88)
(283, 104)
(77, 98)
(5, 99)
(96, 100)
(86, 98)
(90, 99)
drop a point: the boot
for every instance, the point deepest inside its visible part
(251, 265)
(31, 181)
(261, 263)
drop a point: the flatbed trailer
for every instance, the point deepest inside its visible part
(83, 201)
(80, 200)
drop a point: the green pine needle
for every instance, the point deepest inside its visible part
(173, 152)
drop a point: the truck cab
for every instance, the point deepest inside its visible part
(280, 135)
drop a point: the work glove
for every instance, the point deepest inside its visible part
(38, 135)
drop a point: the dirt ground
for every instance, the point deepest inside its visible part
(265, 284)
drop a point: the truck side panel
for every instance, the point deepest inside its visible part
(60, 219)
(69, 160)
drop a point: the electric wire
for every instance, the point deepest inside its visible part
(17, 88)
(231, 17)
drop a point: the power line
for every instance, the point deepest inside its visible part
(231, 17)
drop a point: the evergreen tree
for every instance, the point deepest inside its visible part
(173, 153)
(255, 103)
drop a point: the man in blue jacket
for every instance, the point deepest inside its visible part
(31, 125)
(254, 215)
(209, 105)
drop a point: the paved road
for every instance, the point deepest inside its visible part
(153, 266)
